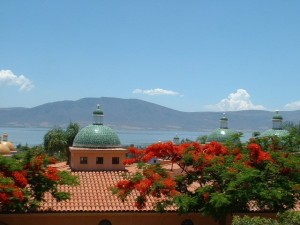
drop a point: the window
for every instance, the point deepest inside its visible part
(115, 160)
(99, 160)
(83, 160)
(105, 222)
(187, 222)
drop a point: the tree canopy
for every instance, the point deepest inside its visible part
(25, 178)
(57, 140)
(216, 179)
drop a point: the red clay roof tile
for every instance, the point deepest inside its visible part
(94, 194)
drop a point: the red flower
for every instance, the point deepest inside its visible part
(143, 186)
(263, 156)
(4, 197)
(285, 171)
(52, 160)
(20, 179)
(208, 159)
(155, 177)
(148, 157)
(238, 157)
(37, 162)
(130, 161)
(206, 197)
(160, 150)
(152, 175)
(215, 148)
(165, 191)
(52, 174)
(254, 148)
(18, 194)
(124, 184)
(258, 156)
(169, 183)
(236, 151)
(121, 194)
(174, 193)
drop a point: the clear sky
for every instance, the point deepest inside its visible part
(192, 55)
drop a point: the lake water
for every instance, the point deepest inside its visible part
(34, 136)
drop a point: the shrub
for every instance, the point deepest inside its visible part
(286, 218)
(24, 180)
(246, 220)
(289, 218)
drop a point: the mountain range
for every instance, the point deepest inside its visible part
(135, 114)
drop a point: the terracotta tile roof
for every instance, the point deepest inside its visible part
(94, 194)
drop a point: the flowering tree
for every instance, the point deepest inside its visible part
(215, 180)
(24, 181)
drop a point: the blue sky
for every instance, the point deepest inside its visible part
(187, 55)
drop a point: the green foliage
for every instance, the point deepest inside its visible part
(289, 218)
(61, 196)
(186, 140)
(25, 178)
(246, 220)
(67, 179)
(289, 143)
(57, 140)
(71, 132)
(255, 133)
(202, 139)
(234, 140)
(286, 218)
(21, 148)
(217, 179)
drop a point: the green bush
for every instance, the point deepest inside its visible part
(286, 218)
(246, 220)
(289, 218)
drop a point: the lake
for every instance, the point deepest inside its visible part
(34, 136)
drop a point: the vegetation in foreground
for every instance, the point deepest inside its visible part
(57, 141)
(26, 177)
(216, 180)
(286, 218)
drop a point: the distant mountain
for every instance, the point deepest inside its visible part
(135, 114)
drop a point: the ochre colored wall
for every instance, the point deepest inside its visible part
(107, 155)
(96, 218)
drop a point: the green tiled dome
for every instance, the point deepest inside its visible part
(277, 129)
(220, 135)
(96, 136)
(273, 132)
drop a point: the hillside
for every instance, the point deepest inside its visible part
(134, 114)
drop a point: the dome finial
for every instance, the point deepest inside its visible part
(277, 121)
(98, 116)
(224, 122)
(176, 140)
